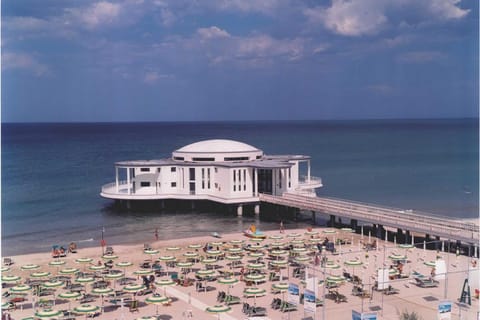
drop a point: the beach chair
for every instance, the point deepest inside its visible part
(72, 247)
(276, 303)
(287, 307)
(7, 261)
(133, 306)
(221, 296)
(109, 250)
(147, 246)
(426, 283)
(229, 300)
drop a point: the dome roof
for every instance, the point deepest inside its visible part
(218, 146)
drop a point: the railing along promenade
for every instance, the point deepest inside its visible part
(426, 223)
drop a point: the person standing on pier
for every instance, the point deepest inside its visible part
(282, 230)
(156, 234)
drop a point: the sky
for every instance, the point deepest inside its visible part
(210, 60)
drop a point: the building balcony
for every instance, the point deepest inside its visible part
(306, 183)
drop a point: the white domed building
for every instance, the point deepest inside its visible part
(222, 171)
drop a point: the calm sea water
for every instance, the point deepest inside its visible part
(52, 173)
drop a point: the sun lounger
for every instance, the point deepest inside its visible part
(426, 283)
(286, 307)
(7, 261)
(229, 300)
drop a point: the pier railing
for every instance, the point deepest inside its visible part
(393, 217)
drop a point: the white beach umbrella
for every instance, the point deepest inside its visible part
(165, 283)
(47, 313)
(70, 295)
(30, 267)
(218, 309)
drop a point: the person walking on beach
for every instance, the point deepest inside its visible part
(282, 230)
(156, 234)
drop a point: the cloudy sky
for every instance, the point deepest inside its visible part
(164, 60)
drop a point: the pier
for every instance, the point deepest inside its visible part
(382, 216)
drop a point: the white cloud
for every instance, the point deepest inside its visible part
(98, 14)
(212, 32)
(369, 17)
(153, 76)
(261, 6)
(446, 9)
(24, 61)
(350, 18)
(25, 23)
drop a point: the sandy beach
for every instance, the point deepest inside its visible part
(254, 270)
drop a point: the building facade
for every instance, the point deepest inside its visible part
(223, 171)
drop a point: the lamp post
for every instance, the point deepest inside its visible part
(103, 241)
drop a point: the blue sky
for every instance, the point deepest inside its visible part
(164, 60)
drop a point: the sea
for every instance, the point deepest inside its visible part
(52, 174)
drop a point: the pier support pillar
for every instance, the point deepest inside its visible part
(239, 210)
(313, 217)
(379, 231)
(437, 243)
(129, 205)
(193, 205)
(407, 236)
(400, 235)
(353, 224)
(331, 223)
(162, 204)
(256, 209)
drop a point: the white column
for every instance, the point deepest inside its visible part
(128, 181)
(256, 182)
(239, 210)
(257, 209)
(116, 179)
(308, 170)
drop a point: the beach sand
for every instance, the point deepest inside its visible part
(187, 303)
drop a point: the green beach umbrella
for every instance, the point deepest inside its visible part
(151, 251)
(5, 269)
(71, 295)
(331, 265)
(230, 281)
(173, 248)
(30, 267)
(329, 231)
(302, 259)
(430, 264)
(277, 244)
(255, 247)
(190, 254)
(56, 263)
(354, 263)
(194, 246)
(204, 273)
(109, 257)
(83, 260)
(213, 253)
(86, 309)
(298, 242)
(218, 309)
(278, 253)
(68, 271)
(256, 239)
(405, 246)
(299, 250)
(143, 272)
(254, 292)
(113, 276)
(311, 233)
(397, 257)
(6, 305)
(335, 279)
(350, 230)
(294, 235)
(39, 275)
(235, 250)
(165, 283)
(255, 278)
(102, 291)
(84, 279)
(167, 258)
(47, 313)
(279, 263)
(20, 288)
(134, 288)
(276, 237)
(97, 267)
(157, 300)
(256, 265)
(124, 264)
(209, 261)
(236, 241)
(52, 284)
(184, 264)
(282, 286)
(216, 243)
(147, 317)
(233, 257)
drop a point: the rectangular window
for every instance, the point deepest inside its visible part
(173, 169)
(234, 176)
(144, 184)
(235, 158)
(289, 177)
(192, 174)
(174, 184)
(244, 179)
(216, 169)
(203, 159)
(208, 178)
(179, 158)
(280, 178)
(145, 169)
(159, 169)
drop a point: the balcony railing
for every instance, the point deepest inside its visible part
(307, 183)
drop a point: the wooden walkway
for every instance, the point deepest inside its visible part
(434, 225)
